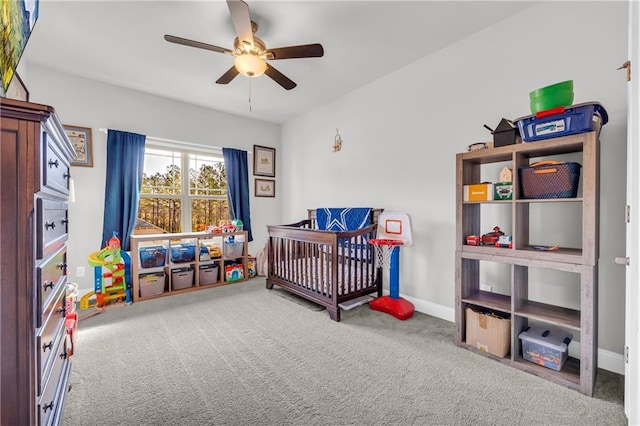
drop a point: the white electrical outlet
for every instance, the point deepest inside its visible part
(484, 287)
(80, 271)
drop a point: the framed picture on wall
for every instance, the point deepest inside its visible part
(264, 161)
(80, 138)
(17, 89)
(265, 188)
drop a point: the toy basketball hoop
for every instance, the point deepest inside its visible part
(384, 249)
(394, 230)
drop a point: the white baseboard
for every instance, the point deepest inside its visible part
(607, 360)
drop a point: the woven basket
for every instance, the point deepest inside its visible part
(549, 179)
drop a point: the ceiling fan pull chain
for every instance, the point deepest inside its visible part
(249, 95)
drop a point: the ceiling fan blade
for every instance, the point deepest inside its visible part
(228, 76)
(193, 43)
(303, 51)
(241, 21)
(279, 78)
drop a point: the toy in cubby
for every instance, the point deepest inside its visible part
(117, 263)
(233, 271)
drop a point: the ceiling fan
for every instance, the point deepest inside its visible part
(250, 53)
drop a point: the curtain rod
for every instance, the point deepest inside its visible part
(172, 143)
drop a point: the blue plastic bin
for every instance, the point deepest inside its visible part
(183, 253)
(153, 256)
(577, 118)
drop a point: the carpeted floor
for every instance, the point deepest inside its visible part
(244, 355)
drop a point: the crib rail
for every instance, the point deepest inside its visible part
(325, 267)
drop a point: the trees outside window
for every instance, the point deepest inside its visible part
(174, 201)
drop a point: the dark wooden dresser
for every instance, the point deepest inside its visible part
(35, 156)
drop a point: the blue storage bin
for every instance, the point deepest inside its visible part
(183, 253)
(577, 118)
(153, 256)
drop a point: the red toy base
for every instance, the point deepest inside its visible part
(399, 308)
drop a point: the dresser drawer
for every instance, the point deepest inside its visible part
(50, 335)
(51, 224)
(55, 384)
(55, 167)
(50, 276)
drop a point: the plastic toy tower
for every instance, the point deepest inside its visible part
(393, 231)
(118, 265)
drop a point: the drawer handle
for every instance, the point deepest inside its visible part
(66, 175)
(48, 225)
(64, 221)
(63, 355)
(53, 163)
(48, 284)
(47, 346)
(48, 406)
(62, 266)
(61, 310)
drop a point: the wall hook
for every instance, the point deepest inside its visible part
(337, 144)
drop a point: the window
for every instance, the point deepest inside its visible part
(173, 202)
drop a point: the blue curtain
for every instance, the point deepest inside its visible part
(235, 163)
(125, 162)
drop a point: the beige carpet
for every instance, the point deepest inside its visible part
(244, 355)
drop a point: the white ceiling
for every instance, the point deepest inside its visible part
(121, 42)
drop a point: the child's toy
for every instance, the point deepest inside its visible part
(504, 241)
(234, 272)
(394, 230)
(118, 264)
(251, 267)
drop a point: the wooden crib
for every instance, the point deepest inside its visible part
(325, 267)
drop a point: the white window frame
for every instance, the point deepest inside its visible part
(185, 197)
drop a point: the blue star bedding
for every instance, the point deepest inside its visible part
(343, 219)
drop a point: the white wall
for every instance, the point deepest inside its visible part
(88, 103)
(401, 133)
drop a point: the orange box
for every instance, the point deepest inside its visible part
(478, 192)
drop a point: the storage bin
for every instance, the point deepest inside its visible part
(181, 278)
(545, 345)
(153, 256)
(488, 331)
(151, 284)
(233, 249)
(183, 253)
(561, 121)
(549, 179)
(208, 274)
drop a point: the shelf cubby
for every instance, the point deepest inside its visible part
(578, 253)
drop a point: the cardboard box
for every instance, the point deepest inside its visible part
(503, 191)
(478, 192)
(488, 333)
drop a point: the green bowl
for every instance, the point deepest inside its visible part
(555, 95)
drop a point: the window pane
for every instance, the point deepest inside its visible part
(206, 176)
(207, 212)
(164, 213)
(161, 172)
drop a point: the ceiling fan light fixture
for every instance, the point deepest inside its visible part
(250, 65)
